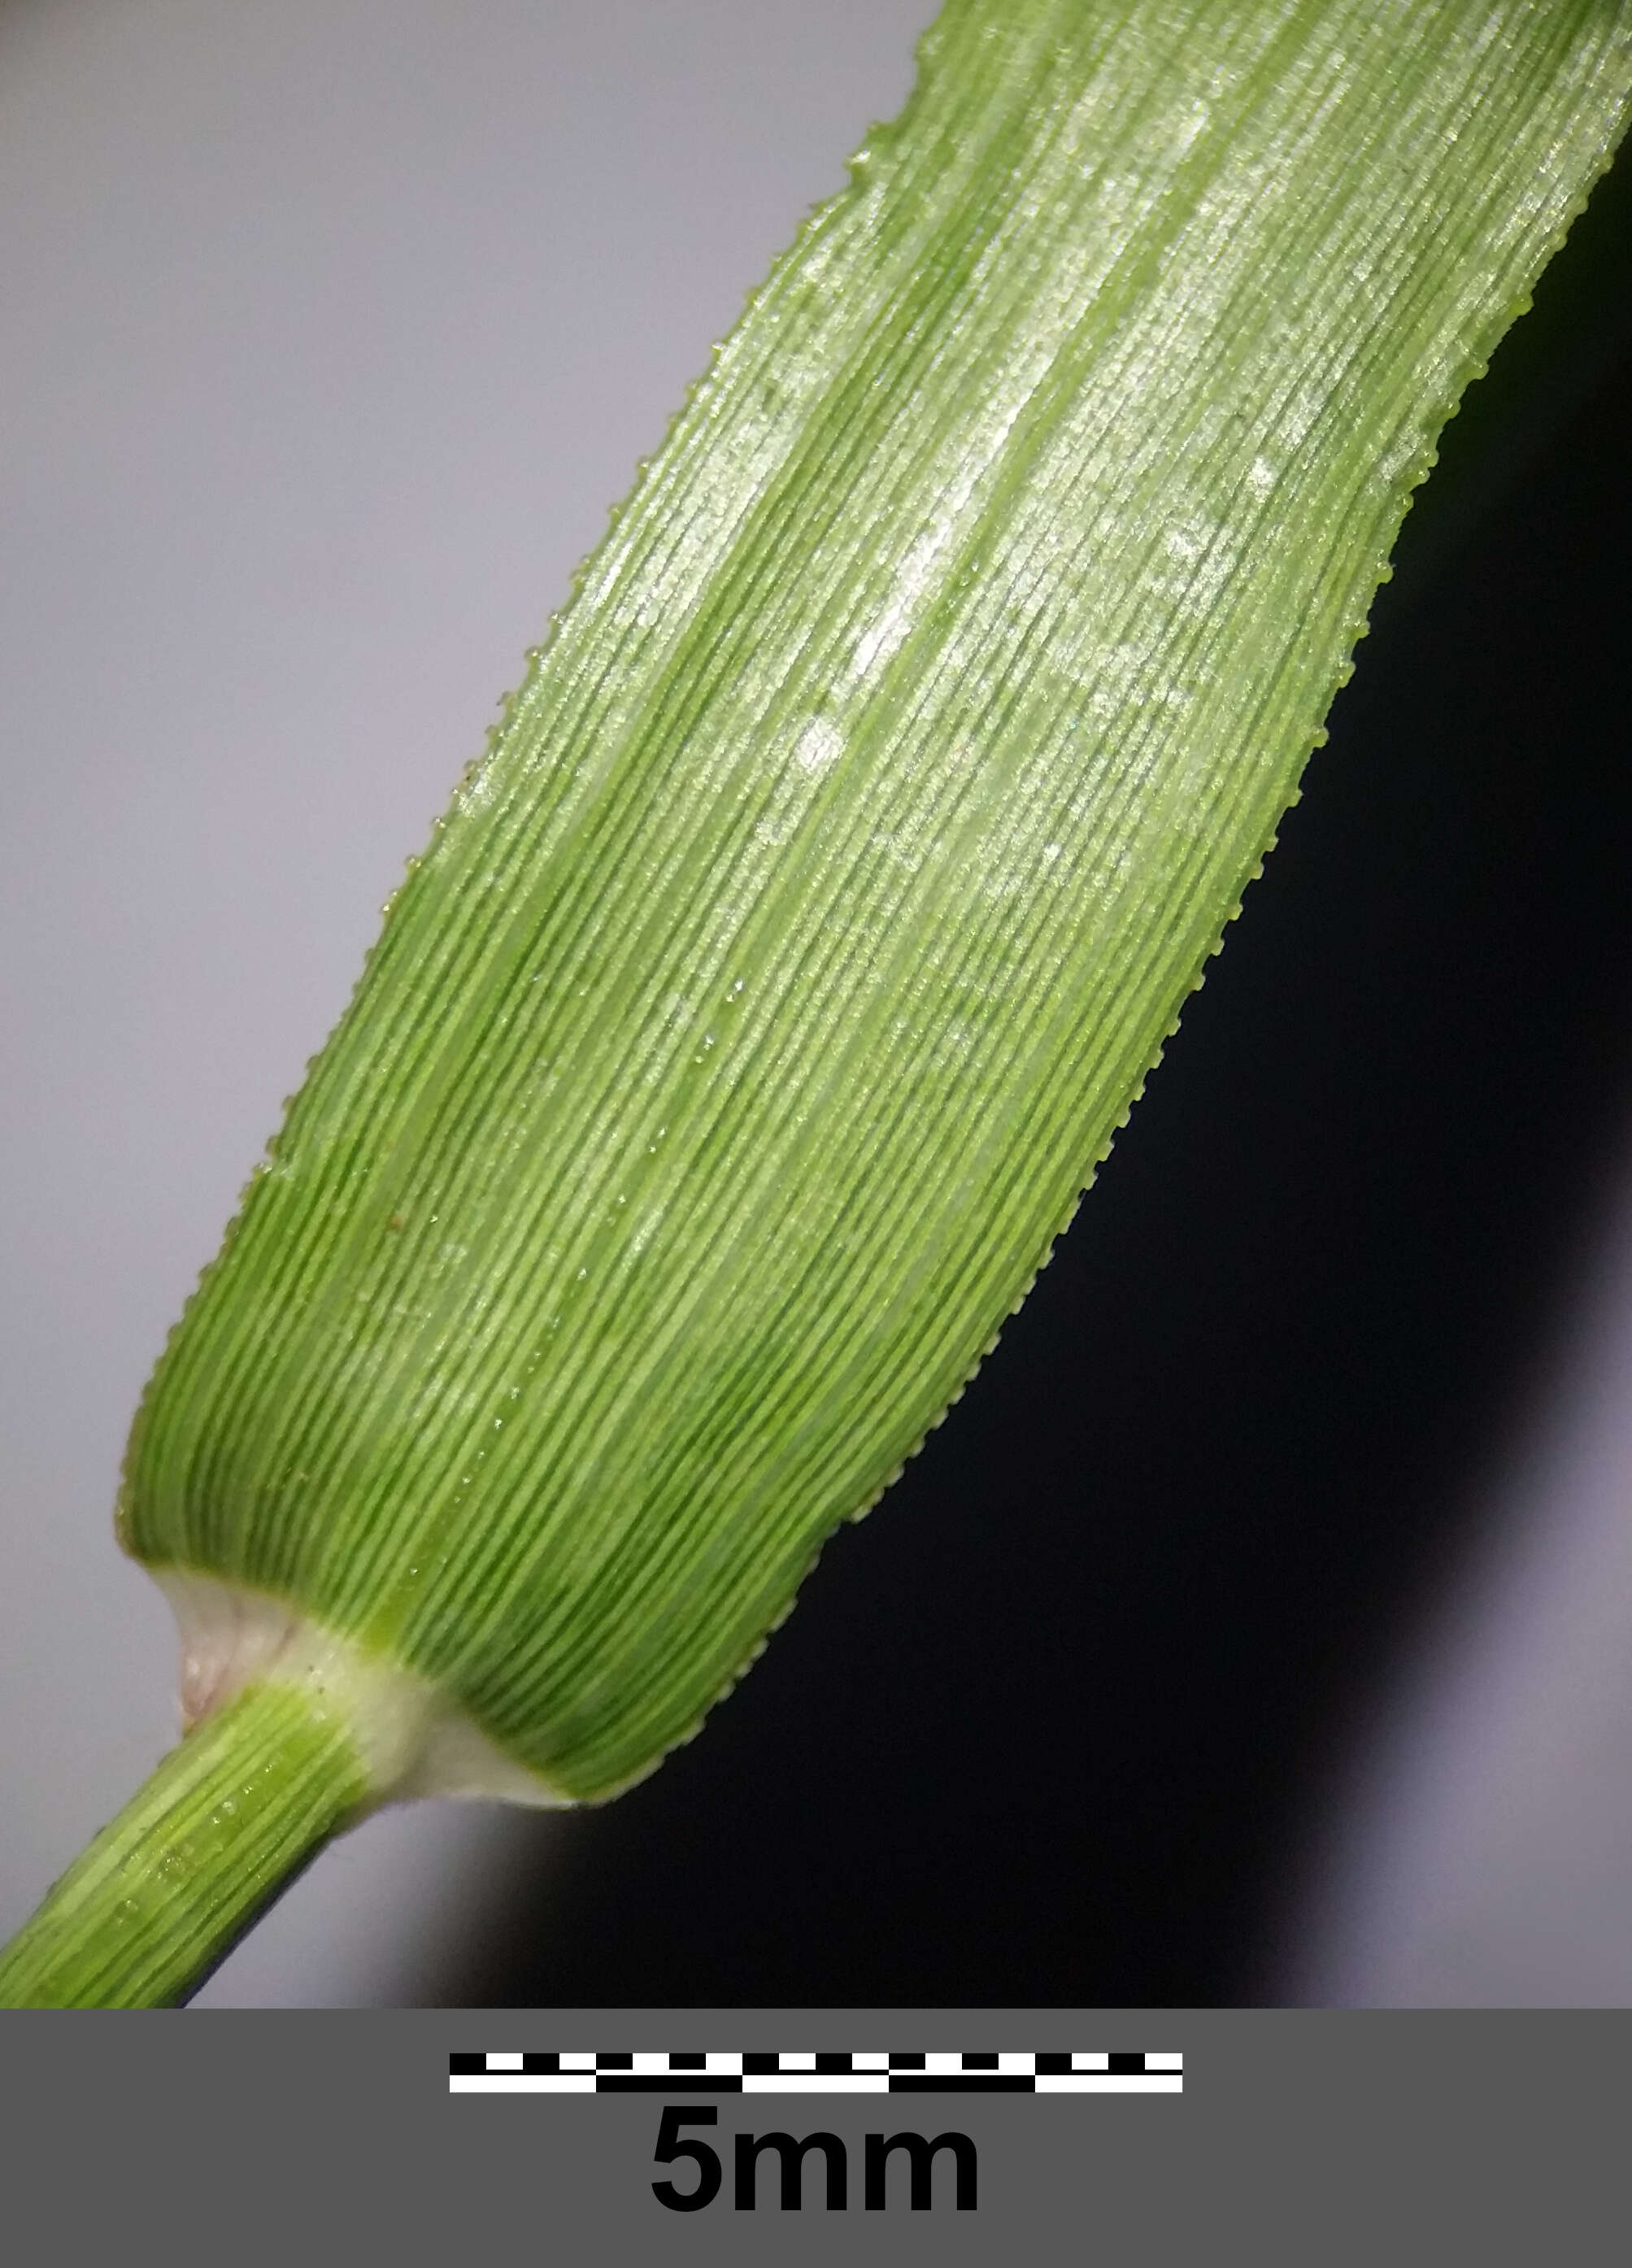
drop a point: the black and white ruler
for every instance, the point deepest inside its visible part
(847, 2071)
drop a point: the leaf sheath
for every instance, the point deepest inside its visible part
(165, 1890)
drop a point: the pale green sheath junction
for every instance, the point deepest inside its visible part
(763, 1005)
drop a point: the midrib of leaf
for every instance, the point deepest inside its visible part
(939, 688)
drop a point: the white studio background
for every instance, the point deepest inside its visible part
(330, 330)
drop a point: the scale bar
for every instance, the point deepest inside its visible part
(823, 2071)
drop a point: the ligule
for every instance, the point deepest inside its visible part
(728, 1064)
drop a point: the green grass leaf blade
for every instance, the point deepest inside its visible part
(755, 1018)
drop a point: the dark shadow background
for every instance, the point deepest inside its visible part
(1054, 1725)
